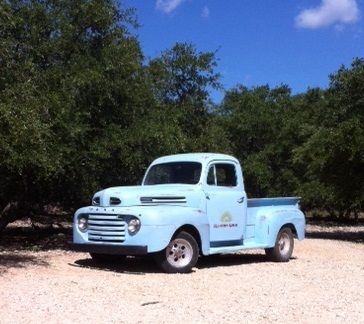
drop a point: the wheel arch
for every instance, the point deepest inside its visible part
(192, 230)
(290, 226)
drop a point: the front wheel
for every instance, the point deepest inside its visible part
(283, 248)
(180, 256)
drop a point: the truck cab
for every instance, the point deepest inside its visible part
(187, 205)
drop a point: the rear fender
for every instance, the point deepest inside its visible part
(269, 224)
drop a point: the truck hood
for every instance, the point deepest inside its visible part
(182, 195)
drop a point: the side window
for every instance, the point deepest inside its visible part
(225, 175)
(222, 174)
(211, 176)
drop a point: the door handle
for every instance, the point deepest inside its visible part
(241, 200)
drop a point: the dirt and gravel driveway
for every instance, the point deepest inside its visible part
(323, 283)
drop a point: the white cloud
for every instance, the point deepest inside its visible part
(329, 12)
(167, 6)
(205, 12)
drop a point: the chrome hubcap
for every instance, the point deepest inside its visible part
(284, 243)
(179, 253)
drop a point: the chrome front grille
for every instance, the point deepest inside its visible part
(106, 228)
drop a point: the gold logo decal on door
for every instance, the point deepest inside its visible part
(226, 217)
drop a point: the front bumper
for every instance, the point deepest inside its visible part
(110, 249)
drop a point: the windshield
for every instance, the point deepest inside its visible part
(174, 172)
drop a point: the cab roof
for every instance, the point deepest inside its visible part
(195, 157)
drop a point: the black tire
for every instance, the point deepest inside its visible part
(180, 256)
(107, 258)
(283, 248)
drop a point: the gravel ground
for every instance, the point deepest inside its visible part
(322, 283)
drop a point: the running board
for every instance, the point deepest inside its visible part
(236, 248)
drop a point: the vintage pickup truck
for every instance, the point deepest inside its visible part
(188, 205)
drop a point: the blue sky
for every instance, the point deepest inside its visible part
(258, 42)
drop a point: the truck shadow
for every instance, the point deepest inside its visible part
(131, 265)
(145, 265)
(227, 260)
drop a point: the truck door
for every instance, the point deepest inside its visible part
(225, 204)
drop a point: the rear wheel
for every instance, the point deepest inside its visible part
(107, 258)
(180, 256)
(283, 248)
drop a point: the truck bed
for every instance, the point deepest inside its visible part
(279, 201)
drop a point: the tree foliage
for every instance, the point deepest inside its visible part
(181, 79)
(332, 149)
(310, 145)
(82, 109)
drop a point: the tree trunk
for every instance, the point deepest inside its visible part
(347, 214)
(356, 215)
(9, 214)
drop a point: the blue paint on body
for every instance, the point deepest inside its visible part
(221, 216)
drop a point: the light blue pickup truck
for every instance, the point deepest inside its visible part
(188, 205)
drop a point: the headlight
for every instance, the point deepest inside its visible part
(133, 225)
(96, 201)
(82, 223)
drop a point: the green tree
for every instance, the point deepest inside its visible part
(182, 74)
(181, 79)
(72, 80)
(257, 120)
(333, 145)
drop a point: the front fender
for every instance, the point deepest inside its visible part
(179, 216)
